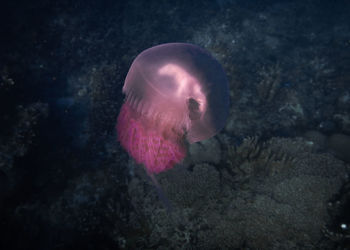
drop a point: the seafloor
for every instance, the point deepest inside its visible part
(276, 177)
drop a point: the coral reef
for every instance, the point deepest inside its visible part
(269, 195)
(79, 206)
(23, 134)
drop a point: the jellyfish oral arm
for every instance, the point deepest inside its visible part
(147, 145)
(160, 192)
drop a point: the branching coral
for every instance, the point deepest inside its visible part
(254, 158)
(270, 80)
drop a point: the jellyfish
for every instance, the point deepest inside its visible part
(176, 93)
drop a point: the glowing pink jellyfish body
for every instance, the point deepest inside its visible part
(174, 92)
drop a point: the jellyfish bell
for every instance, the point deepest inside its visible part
(174, 92)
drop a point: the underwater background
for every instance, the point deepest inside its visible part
(276, 176)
